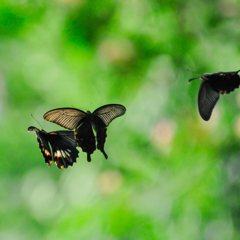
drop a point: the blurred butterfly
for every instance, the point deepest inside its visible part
(63, 149)
(85, 122)
(214, 84)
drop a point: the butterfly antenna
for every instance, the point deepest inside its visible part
(36, 121)
(192, 78)
(193, 72)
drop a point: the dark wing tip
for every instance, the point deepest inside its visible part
(122, 109)
(204, 116)
(31, 128)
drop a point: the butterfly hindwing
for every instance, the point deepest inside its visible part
(101, 131)
(63, 147)
(85, 137)
(44, 147)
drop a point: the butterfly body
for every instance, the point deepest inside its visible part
(222, 82)
(85, 122)
(59, 146)
(214, 84)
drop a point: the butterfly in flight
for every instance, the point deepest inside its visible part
(85, 122)
(214, 84)
(63, 149)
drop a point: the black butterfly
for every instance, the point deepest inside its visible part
(214, 84)
(83, 122)
(63, 149)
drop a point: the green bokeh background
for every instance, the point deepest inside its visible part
(169, 175)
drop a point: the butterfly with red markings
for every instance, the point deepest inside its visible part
(214, 84)
(63, 149)
(85, 122)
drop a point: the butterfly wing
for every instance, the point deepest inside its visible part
(68, 118)
(207, 99)
(101, 130)
(63, 148)
(109, 112)
(101, 118)
(85, 137)
(43, 144)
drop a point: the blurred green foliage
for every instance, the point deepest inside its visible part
(169, 175)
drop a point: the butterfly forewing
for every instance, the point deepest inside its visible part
(44, 148)
(43, 144)
(207, 99)
(66, 117)
(109, 112)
